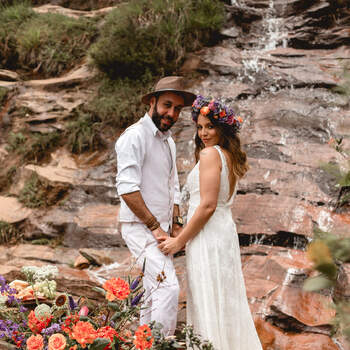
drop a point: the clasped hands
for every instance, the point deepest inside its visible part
(167, 245)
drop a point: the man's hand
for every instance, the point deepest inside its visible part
(175, 231)
(159, 234)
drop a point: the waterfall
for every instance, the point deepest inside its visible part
(273, 35)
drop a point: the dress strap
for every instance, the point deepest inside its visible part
(222, 156)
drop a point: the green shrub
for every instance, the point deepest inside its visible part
(38, 145)
(47, 43)
(11, 18)
(82, 133)
(151, 37)
(55, 42)
(32, 195)
(32, 146)
(3, 94)
(16, 142)
(8, 233)
(118, 102)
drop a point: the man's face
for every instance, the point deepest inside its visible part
(166, 110)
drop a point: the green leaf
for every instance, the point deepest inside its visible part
(114, 306)
(99, 344)
(328, 269)
(116, 315)
(317, 283)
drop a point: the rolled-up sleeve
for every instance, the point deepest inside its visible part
(130, 154)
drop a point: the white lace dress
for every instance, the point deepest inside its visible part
(217, 305)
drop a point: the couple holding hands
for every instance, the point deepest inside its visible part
(147, 183)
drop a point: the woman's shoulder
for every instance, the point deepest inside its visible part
(209, 154)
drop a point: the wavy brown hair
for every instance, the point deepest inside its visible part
(230, 141)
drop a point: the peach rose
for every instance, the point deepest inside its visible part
(205, 110)
(57, 342)
(35, 342)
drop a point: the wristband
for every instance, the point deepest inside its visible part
(152, 223)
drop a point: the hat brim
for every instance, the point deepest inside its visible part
(189, 97)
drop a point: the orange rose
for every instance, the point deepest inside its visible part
(239, 119)
(35, 342)
(143, 338)
(57, 342)
(84, 333)
(116, 289)
(205, 110)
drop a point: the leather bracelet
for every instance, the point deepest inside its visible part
(154, 226)
(152, 223)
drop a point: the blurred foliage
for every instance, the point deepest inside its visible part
(83, 132)
(38, 192)
(146, 38)
(328, 252)
(32, 146)
(344, 88)
(42, 43)
(116, 105)
(8, 233)
(3, 94)
(32, 194)
(340, 172)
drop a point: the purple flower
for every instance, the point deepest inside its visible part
(22, 308)
(54, 328)
(137, 299)
(2, 280)
(72, 304)
(135, 283)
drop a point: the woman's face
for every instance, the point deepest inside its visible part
(207, 132)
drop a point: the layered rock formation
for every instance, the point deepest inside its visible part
(277, 65)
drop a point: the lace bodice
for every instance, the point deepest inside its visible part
(224, 193)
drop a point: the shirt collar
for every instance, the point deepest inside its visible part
(155, 131)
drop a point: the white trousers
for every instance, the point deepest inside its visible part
(160, 298)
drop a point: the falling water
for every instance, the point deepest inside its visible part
(273, 35)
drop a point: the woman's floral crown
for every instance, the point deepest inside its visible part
(217, 110)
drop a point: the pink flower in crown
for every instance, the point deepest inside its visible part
(230, 119)
(211, 105)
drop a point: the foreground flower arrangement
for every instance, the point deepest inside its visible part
(55, 321)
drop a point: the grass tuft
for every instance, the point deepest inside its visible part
(8, 233)
(151, 37)
(42, 43)
(32, 194)
(3, 95)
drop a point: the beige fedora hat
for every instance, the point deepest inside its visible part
(171, 84)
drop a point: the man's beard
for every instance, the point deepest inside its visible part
(157, 118)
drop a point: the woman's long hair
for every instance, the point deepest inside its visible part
(229, 140)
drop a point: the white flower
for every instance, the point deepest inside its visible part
(47, 272)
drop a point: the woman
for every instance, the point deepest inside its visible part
(217, 304)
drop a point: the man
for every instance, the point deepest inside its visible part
(148, 185)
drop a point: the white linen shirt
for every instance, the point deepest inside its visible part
(146, 160)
